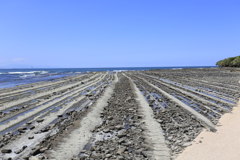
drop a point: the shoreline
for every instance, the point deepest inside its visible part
(222, 145)
(34, 120)
(21, 77)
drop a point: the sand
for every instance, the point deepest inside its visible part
(222, 145)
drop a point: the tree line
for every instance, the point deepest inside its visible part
(229, 62)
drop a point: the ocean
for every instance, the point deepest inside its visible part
(14, 77)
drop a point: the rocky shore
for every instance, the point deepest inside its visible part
(153, 114)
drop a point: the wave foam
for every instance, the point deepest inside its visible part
(119, 70)
(30, 72)
(27, 75)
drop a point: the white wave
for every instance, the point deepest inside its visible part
(27, 75)
(119, 70)
(79, 72)
(43, 72)
(30, 72)
(177, 68)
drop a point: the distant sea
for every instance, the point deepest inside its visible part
(13, 77)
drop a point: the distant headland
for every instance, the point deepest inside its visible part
(229, 62)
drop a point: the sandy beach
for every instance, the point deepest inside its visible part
(222, 145)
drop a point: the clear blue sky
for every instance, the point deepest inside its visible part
(118, 33)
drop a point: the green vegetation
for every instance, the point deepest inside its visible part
(229, 62)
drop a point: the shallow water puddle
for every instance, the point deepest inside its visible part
(218, 97)
(16, 116)
(9, 109)
(24, 121)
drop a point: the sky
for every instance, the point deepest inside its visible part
(117, 33)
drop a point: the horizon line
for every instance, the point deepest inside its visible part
(99, 67)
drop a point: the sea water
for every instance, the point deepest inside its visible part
(13, 77)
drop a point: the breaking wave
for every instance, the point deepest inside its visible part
(30, 72)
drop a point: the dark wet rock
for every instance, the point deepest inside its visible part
(110, 118)
(20, 150)
(28, 123)
(90, 95)
(35, 151)
(6, 151)
(1, 145)
(46, 129)
(40, 120)
(31, 127)
(22, 129)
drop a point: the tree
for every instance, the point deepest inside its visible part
(236, 62)
(229, 62)
(220, 63)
